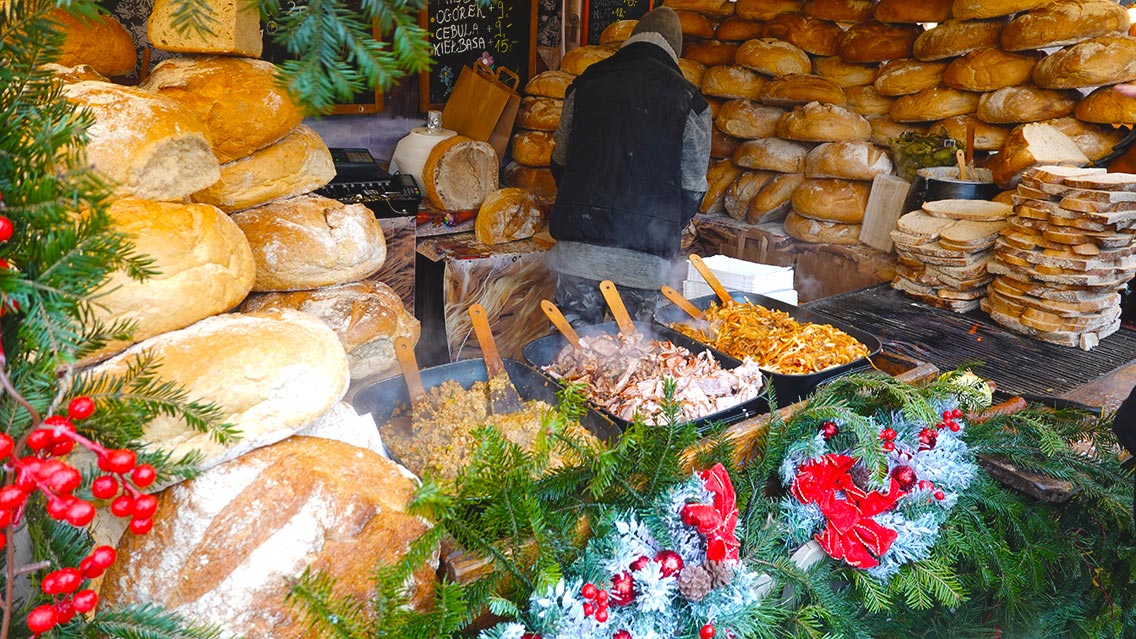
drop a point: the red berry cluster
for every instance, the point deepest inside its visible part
(62, 585)
(829, 429)
(928, 437)
(949, 417)
(888, 436)
(927, 485)
(597, 602)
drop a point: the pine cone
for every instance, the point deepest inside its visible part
(694, 582)
(721, 573)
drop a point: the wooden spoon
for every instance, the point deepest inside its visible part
(960, 159)
(503, 397)
(678, 300)
(560, 322)
(404, 351)
(618, 310)
(710, 278)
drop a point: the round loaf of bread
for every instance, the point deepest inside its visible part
(956, 37)
(695, 25)
(541, 114)
(848, 161)
(732, 81)
(549, 84)
(719, 176)
(908, 75)
(813, 35)
(1106, 105)
(460, 172)
(366, 316)
(774, 199)
(712, 8)
(884, 129)
(237, 99)
(102, 43)
(748, 120)
(736, 29)
(829, 200)
(532, 148)
(333, 508)
(865, 100)
(990, 69)
(710, 52)
(981, 9)
(204, 263)
(908, 12)
(535, 180)
(577, 60)
(722, 145)
(844, 74)
(793, 89)
(742, 190)
(774, 57)
(300, 163)
(762, 10)
(816, 122)
(1099, 61)
(617, 31)
(1095, 140)
(839, 10)
(987, 137)
(692, 71)
(814, 231)
(933, 104)
(1065, 22)
(77, 73)
(873, 41)
(772, 154)
(146, 145)
(1026, 103)
(506, 215)
(311, 241)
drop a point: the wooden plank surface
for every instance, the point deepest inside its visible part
(885, 205)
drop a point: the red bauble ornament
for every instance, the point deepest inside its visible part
(641, 562)
(601, 615)
(889, 445)
(621, 634)
(940, 495)
(888, 433)
(956, 413)
(954, 426)
(707, 631)
(670, 562)
(904, 476)
(588, 591)
(830, 430)
(601, 598)
(6, 229)
(622, 589)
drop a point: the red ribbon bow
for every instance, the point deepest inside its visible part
(718, 521)
(852, 534)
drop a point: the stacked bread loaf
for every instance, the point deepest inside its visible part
(537, 119)
(944, 249)
(1064, 255)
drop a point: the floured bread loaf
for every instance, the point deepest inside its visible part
(819, 232)
(990, 69)
(617, 31)
(766, 9)
(579, 59)
(816, 122)
(530, 148)
(794, 89)
(147, 145)
(839, 10)
(742, 191)
(710, 52)
(884, 129)
(732, 81)
(77, 73)
(817, 37)
(1064, 22)
(366, 316)
(844, 74)
(772, 154)
(1106, 105)
(932, 104)
(773, 57)
(866, 100)
(748, 120)
(311, 241)
(1026, 103)
(908, 75)
(238, 100)
(695, 25)
(541, 114)
(832, 200)
(774, 200)
(1101, 60)
(298, 164)
(848, 160)
(460, 172)
(102, 43)
(233, 30)
(226, 545)
(953, 38)
(737, 29)
(692, 71)
(549, 84)
(978, 9)
(719, 176)
(908, 12)
(507, 215)
(873, 41)
(1033, 144)
(535, 180)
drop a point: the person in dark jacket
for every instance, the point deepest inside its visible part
(630, 161)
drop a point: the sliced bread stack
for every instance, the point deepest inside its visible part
(943, 251)
(1064, 256)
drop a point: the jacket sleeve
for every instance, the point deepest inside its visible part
(695, 159)
(560, 138)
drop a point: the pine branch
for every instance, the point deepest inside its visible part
(147, 621)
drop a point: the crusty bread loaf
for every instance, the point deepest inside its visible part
(1025, 103)
(531, 148)
(865, 100)
(238, 536)
(713, 8)
(102, 43)
(844, 74)
(1064, 22)
(577, 60)
(719, 176)
(692, 71)
(956, 37)
(839, 10)
(233, 30)
(506, 215)
(460, 172)
(830, 200)
(146, 145)
(981, 9)
(908, 12)
(299, 163)
(722, 145)
(815, 36)
(1106, 105)
(732, 81)
(695, 25)
(77, 73)
(816, 122)
(813, 231)
(932, 104)
(549, 84)
(1101, 60)
(873, 41)
(747, 119)
(990, 69)
(737, 29)
(739, 194)
(617, 31)
(1033, 144)
(238, 100)
(884, 129)
(773, 57)
(710, 52)
(847, 160)
(366, 316)
(535, 180)
(204, 263)
(908, 75)
(541, 114)
(311, 241)
(794, 89)
(270, 372)
(766, 9)
(774, 200)
(772, 154)
(987, 137)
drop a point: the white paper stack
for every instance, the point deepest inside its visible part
(739, 275)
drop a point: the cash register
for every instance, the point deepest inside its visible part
(360, 180)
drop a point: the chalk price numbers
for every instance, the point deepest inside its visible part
(463, 26)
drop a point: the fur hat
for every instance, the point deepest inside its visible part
(663, 21)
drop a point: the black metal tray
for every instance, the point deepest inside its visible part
(388, 400)
(543, 351)
(787, 388)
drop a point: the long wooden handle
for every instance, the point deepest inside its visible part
(960, 159)
(710, 278)
(560, 322)
(493, 364)
(618, 310)
(678, 300)
(404, 351)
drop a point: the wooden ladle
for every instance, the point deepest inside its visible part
(560, 322)
(404, 351)
(678, 300)
(710, 278)
(503, 396)
(618, 310)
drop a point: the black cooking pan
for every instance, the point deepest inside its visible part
(543, 351)
(787, 388)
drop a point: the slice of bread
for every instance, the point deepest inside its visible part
(907, 239)
(975, 210)
(1058, 174)
(966, 234)
(964, 285)
(920, 224)
(962, 295)
(918, 291)
(1104, 181)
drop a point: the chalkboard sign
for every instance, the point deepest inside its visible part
(598, 14)
(502, 33)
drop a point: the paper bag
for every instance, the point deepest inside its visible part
(483, 106)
